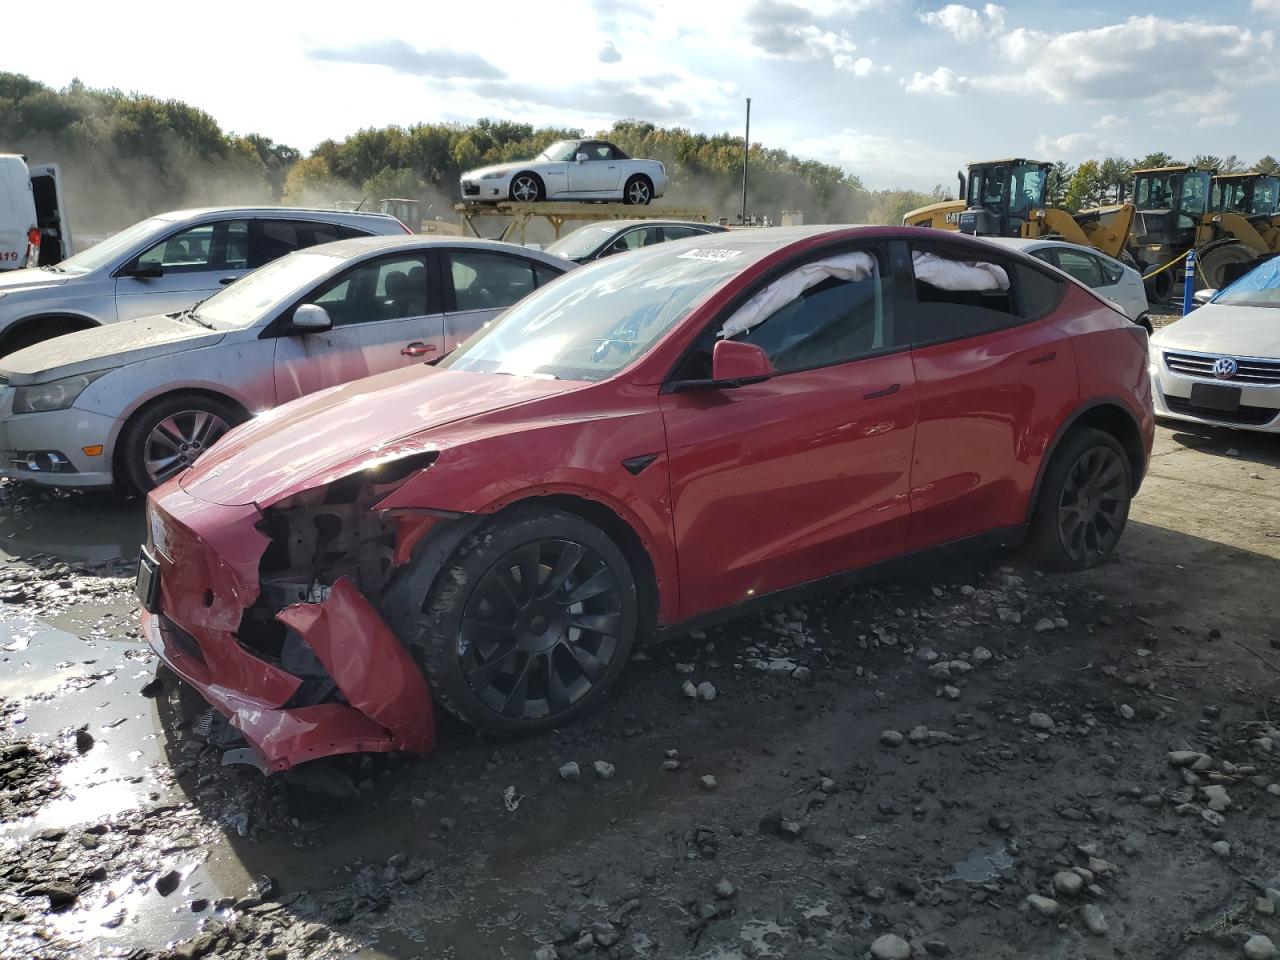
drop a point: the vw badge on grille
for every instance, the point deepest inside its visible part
(1224, 368)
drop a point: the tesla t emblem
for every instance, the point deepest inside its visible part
(1224, 368)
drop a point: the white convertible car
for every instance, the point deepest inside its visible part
(1220, 364)
(569, 170)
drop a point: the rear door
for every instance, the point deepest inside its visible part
(479, 285)
(803, 475)
(51, 213)
(994, 380)
(386, 313)
(195, 262)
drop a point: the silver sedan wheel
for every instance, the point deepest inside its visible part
(176, 441)
(638, 192)
(525, 189)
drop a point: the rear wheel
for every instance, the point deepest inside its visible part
(1083, 503)
(529, 622)
(168, 436)
(638, 191)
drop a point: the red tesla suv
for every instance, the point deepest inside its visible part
(668, 437)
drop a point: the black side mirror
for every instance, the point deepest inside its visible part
(145, 271)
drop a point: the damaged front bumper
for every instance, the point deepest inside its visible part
(339, 681)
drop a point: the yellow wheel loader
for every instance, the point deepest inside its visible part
(1230, 219)
(1006, 198)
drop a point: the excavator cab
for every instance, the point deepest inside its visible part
(1001, 195)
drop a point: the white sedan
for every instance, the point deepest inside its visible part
(135, 403)
(1105, 276)
(569, 170)
(1220, 364)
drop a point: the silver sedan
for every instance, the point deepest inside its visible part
(135, 403)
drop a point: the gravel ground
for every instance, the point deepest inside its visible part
(980, 762)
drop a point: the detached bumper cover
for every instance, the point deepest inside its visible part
(208, 557)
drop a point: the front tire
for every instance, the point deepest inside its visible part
(163, 439)
(527, 188)
(1083, 504)
(529, 623)
(638, 192)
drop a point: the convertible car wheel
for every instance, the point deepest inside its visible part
(526, 188)
(638, 192)
(529, 623)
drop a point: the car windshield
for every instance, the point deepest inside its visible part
(560, 150)
(583, 240)
(593, 322)
(1258, 288)
(245, 301)
(106, 252)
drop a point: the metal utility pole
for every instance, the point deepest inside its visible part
(746, 156)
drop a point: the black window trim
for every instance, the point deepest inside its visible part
(892, 304)
(276, 328)
(998, 257)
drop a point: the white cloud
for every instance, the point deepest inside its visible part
(880, 161)
(943, 82)
(781, 30)
(1139, 58)
(1219, 120)
(1109, 121)
(609, 53)
(1070, 146)
(1266, 6)
(967, 23)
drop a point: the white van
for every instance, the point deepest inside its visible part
(33, 217)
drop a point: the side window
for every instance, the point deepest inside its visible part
(1039, 292)
(391, 289)
(210, 246)
(1082, 266)
(317, 232)
(1046, 255)
(275, 239)
(844, 313)
(1112, 272)
(958, 297)
(544, 274)
(634, 240)
(488, 281)
(597, 151)
(679, 233)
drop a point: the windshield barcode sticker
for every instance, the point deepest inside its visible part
(709, 253)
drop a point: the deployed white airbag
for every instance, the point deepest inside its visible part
(846, 266)
(956, 275)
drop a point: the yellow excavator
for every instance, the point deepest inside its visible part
(1006, 198)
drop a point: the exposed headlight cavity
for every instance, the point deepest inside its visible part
(54, 395)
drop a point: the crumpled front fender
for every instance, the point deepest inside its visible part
(368, 663)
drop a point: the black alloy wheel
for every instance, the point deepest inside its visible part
(529, 623)
(1083, 503)
(540, 629)
(1093, 505)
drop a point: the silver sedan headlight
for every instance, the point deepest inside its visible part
(496, 175)
(54, 395)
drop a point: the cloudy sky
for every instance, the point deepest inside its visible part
(899, 92)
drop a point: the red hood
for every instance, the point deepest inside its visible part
(319, 438)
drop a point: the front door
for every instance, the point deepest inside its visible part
(385, 313)
(598, 173)
(806, 474)
(194, 263)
